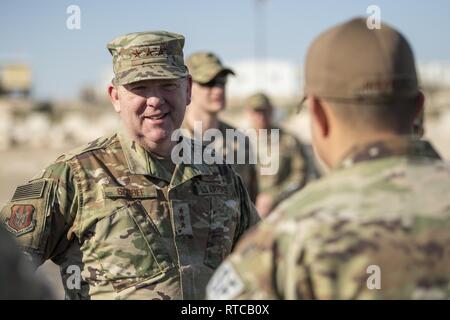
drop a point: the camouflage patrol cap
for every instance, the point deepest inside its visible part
(205, 66)
(258, 101)
(147, 56)
(353, 62)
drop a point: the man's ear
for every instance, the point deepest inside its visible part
(418, 125)
(188, 90)
(114, 96)
(319, 116)
(420, 102)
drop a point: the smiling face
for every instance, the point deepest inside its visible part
(210, 97)
(152, 109)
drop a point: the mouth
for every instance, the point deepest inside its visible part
(156, 117)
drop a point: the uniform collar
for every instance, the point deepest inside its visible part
(405, 146)
(141, 161)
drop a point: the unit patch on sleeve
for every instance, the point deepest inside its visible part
(21, 220)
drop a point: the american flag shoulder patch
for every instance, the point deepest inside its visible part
(33, 190)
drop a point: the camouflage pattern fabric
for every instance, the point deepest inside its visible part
(385, 207)
(147, 55)
(296, 166)
(134, 229)
(246, 170)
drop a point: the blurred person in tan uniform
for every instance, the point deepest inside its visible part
(209, 78)
(295, 159)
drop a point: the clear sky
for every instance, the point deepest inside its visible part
(63, 59)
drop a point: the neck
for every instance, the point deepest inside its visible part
(163, 150)
(209, 120)
(268, 127)
(345, 143)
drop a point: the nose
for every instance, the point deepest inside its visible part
(218, 92)
(155, 100)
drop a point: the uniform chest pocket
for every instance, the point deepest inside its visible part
(128, 247)
(224, 217)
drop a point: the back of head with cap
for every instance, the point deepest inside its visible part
(353, 62)
(369, 76)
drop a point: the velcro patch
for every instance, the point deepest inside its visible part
(32, 190)
(182, 217)
(225, 284)
(210, 178)
(133, 193)
(203, 189)
(21, 219)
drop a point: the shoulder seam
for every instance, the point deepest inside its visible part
(87, 148)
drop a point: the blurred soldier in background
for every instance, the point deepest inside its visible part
(118, 215)
(17, 278)
(208, 99)
(295, 164)
(378, 225)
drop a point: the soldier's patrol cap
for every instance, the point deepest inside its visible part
(355, 63)
(258, 102)
(205, 66)
(147, 55)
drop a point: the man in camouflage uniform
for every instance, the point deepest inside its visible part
(378, 225)
(293, 159)
(208, 99)
(132, 222)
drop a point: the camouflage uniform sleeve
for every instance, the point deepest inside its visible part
(297, 176)
(249, 216)
(41, 212)
(249, 272)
